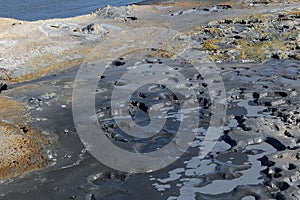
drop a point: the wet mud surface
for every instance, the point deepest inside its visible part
(256, 156)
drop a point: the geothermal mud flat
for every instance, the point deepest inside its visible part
(255, 46)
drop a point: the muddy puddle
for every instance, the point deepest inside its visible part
(255, 158)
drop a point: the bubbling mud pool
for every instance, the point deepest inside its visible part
(255, 158)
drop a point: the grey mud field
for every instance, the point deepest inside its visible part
(255, 47)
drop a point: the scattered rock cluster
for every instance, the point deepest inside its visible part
(253, 38)
(118, 13)
(91, 28)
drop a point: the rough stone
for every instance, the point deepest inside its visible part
(21, 149)
(91, 28)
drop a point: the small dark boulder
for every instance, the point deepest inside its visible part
(4, 79)
(91, 28)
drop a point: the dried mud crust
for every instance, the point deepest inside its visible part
(253, 38)
(21, 149)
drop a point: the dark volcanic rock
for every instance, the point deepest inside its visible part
(4, 79)
(91, 28)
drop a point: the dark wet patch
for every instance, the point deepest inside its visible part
(3, 87)
(275, 143)
(132, 18)
(266, 162)
(229, 140)
(118, 63)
